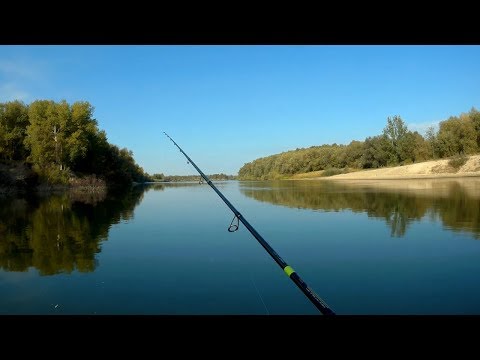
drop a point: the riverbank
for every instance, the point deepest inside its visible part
(425, 170)
(18, 178)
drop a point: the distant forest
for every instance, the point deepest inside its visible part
(457, 136)
(61, 142)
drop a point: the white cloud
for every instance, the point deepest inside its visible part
(422, 127)
(20, 69)
(10, 92)
(17, 75)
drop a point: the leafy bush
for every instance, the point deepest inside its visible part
(333, 171)
(52, 175)
(89, 183)
(458, 161)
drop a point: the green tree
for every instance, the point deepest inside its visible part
(395, 131)
(376, 152)
(353, 154)
(13, 124)
(45, 135)
(421, 149)
(39, 139)
(474, 115)
(431, 138)
(64, 139)
(457, 135)
(81, 132)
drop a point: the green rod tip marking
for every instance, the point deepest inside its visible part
(288, 270)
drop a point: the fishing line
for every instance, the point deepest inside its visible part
(259, 295)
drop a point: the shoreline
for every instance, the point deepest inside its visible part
(433, 169)
(45, 189)
(399, 177)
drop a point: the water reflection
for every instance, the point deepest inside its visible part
(60, 233)
(179, 184)
(455, 202)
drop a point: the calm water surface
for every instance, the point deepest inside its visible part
(392, 247)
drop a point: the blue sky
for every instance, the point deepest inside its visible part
(228, 105)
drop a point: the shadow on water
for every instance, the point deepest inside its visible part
(455, 202)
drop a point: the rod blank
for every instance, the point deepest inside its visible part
(292, 274)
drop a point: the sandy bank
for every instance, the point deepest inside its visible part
(426, 170)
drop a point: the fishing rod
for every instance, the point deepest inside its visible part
(292, 274)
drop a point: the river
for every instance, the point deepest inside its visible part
(408, 247)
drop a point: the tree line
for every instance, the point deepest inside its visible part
(397, 145)
(61, 141)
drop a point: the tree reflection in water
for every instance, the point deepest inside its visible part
(60, 233)
(456, 202)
